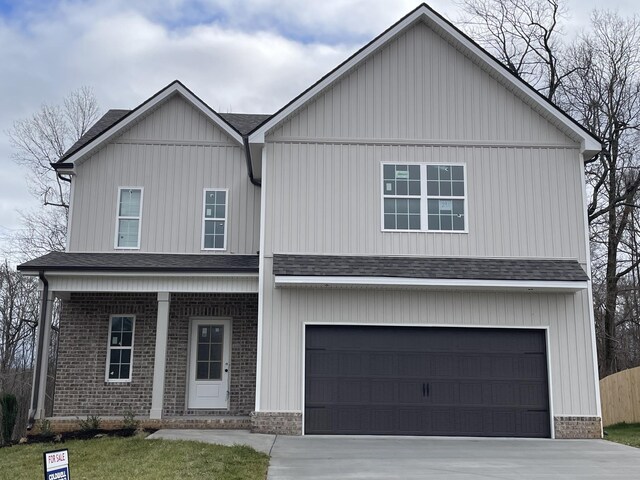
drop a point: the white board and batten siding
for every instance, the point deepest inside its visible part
(419, 100)
(566, 316)
(174, 153)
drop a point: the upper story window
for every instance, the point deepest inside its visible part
(214, 222)
(423, 197)
(128, 218)
(120, 348)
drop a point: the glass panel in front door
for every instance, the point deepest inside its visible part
(209, 353)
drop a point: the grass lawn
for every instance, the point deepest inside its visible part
(137, 458)
(625, 433)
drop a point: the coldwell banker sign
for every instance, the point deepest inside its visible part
(56, 465)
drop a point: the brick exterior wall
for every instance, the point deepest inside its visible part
(578, 427)
(279, 423)
(82, 353)
(243, 310)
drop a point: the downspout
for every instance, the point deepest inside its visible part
(247, 155)
(38, 366)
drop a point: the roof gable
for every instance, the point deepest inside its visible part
(81, 149)
(590, 145)
(419, 87)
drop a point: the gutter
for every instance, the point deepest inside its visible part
(38, 367)
(247, 155)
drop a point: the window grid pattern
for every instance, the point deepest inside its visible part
(215, 219)
(424, 197)
(129, 205)
(402, 188)
(210, 351)
(445, 197)
(120, 349)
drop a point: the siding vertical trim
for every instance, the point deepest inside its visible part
(261, 273)
(592, 322)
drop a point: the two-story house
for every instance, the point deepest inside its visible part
(401, 249)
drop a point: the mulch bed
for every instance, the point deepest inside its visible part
(81, 435)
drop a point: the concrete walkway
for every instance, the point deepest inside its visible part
(257, 441)
(409, 458)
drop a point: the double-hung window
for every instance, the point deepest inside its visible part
(402, 195)
(214, 222)
(424, 197)
(120, 348)
(128, 217)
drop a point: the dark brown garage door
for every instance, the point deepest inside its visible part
(426, 381)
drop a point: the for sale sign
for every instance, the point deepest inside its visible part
(56, 465)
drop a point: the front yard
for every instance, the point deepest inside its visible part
(625, 433)
(136, 457)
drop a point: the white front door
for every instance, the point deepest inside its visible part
(210, 347)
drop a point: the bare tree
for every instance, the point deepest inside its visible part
(18, 321)
(525, 35)
(39, 141)
(603, 92)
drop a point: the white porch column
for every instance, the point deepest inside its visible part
(41, 369)
(160, 361)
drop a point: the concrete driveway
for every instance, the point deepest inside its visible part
(324, 458)
(433, 458)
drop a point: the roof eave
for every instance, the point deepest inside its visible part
(52, 270)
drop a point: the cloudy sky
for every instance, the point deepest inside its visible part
(237, 55)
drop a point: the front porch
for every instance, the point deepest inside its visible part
(169, 339)
(81, 386)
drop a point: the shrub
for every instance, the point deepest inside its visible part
(45, 428)
(91, 423)
(129, 421)
(9, 414)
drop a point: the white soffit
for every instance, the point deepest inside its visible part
(428, 283)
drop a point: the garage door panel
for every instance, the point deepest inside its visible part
(503, 423)
(353, 390)
(471, 393)
(383, 391)
(426, 381)
(321, 391)
(322, 362)
(413, 365)
(410, 392)
(534, 395)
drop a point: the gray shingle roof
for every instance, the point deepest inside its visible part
(468, 268)
(142, 262)
(108, 119)
(242, 122)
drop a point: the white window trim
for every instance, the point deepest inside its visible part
(226, 218)
(118, 218)
(109, 347)
(424, 225)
